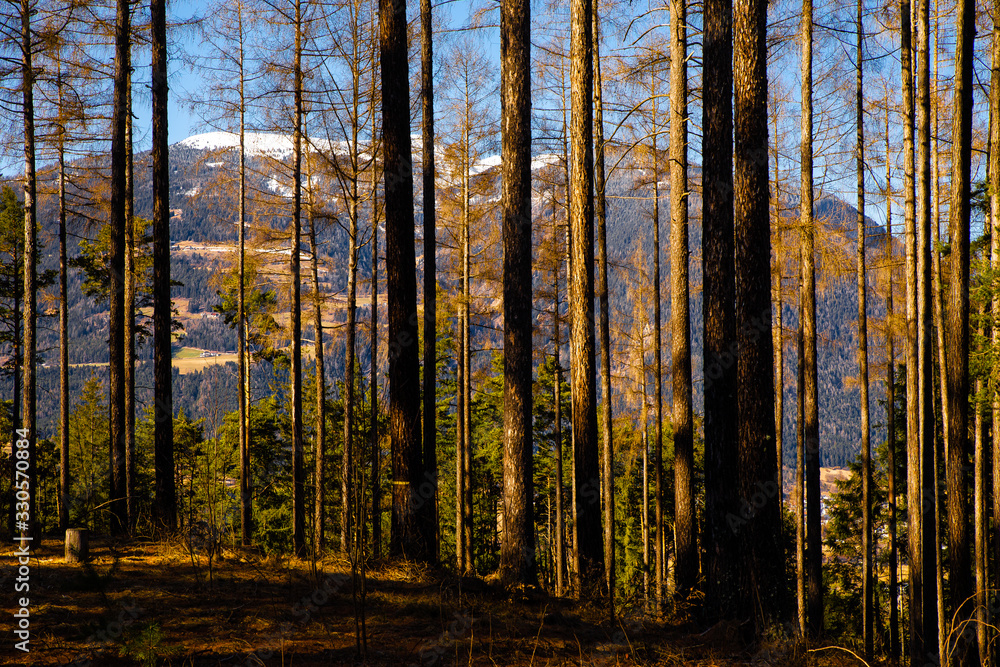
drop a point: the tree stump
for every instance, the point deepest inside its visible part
(77, 545)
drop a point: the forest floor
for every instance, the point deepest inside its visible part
(158, 604)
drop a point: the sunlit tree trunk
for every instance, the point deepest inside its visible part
(590, 555)
(867, 550)
(517, 555)
(600, 209)
(957, 343)
(298, 475)
(685, 544)
(814, 543)
(890, 393)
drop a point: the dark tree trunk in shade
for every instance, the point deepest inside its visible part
(718, 250)
(401, 286)
(116, 270)
(298, 472)
(430, 273)
(165, 496)
(517, 555)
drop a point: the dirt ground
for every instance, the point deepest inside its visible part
(159, 604)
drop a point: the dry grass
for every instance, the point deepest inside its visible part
(155, 603)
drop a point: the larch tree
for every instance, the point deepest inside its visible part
(116, 268)
(867, 550)
(517, 555)
(430, 270)
(994, 171)
(722, 571)
(890, 403)
(404, 369)
(957, 343)
(165, 496)
(925, 635)
(813, 518)
(30, 313)
(685, 541)
(590, 554)
(604, 326)
(298, 473)
(762, 574)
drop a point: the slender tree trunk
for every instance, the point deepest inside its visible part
(867, 549)
(64, 476)
(130, 290)
(917, 574)
(116, 269)
(958, 330)
(376, 446)
(30, 313)
(298, 475)
(800, 456)
(661, 559)
(994, 173)
(517, 555)
(466, 333)
(319, 472)
(588, 499)
(719, 284)
(557, 399)
(600, 209)
(404, 368)
(777, 276)
(891, 408)
(246, 479)
(762, 558)
(165, 492)
(685, 544)
(814, 542)
(347, 464)
(430, 272)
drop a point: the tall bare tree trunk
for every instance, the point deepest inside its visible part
(958, 331)
(590, 555)
(890, 393)
(867, 549)
(814, 553)
(763, 574)
(404, 368)
(163, 457)
(517, 554)
(116, 269)
(994, 174)
(925, 637)
(600, 209)
(246, 479)
(30, 313)
(661, 558)
(347, 464)
(130, 290)
(64, 476)
(319, 517)
(376, 446)
(557, 399)
(430, 272)
(685, 543)
(800, 455)
(719, 284)
(298, 475)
